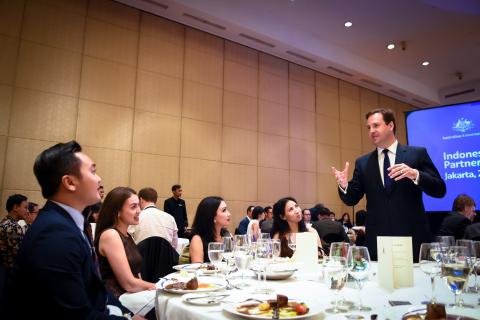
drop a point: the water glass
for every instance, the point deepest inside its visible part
(335, 277)
(263, 257)
(358, 263)
(339, 249)
(430, 258)
(456, 266)
(215, 253)
(243, 257)
(276, 248)
(292, 241)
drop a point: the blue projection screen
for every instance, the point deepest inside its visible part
(451, 135)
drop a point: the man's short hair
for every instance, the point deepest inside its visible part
(175, 187)
(250, 208)
(387, 114)
(14, 199)
(55, 162)
(148, 194)
(268, 208)
(462, 201)
(303, 210)
(324, 211)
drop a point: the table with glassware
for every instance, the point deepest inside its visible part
(221, 291)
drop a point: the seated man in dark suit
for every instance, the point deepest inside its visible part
(472, 232)
(325, 226)
(242, 227)
(55, 269)
(461, 216)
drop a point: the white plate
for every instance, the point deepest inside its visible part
(279, 271)
(195, 267)
(232, 308)
(204, 298)
(215, 284)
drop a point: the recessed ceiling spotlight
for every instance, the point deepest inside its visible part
(391, 46)
(425, 63)
(348, 24)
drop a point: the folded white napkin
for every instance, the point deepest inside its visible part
(139, 302)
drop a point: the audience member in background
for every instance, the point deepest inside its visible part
(153, 221)
(345, 220)
(314, 212)
(209, 225)
(32, 213)
(101, 192)
(287, 219)
(267, 223)
(93, 212)
(472, 232)
(11, 235)
(253, 228)
(307, 217)
(242, 226)
(461, 216)
(55, 263)
(359, 228)
(177, 208)
(328, 230)
(119, 259)
(332, 216)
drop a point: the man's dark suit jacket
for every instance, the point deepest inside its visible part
(400, 212)
(177, 209)
(454, 224)
(328, 226)
(243, 225)
(473, 232)
(54, 276)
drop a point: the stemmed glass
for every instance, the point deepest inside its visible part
(339, 249)
(215, 253)
(335, 277)
(228, 250)
(358, 261)
(276, 248)
(263, 256)
(456, 267)
(242, 256)
(445, 242)
(430, 259)
(476, 267)
(292, 241)
(265, 236)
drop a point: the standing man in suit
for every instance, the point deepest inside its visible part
(393, 178)
(56, 262)
(176, 207)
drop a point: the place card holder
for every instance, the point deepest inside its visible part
(395, 262)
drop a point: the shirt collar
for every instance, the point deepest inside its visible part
(392, 148)
(76, 215)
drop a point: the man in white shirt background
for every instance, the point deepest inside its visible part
(153, 221)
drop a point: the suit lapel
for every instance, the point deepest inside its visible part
(374, 169)
(400, 154)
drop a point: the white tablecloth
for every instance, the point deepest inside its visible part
(310, 287)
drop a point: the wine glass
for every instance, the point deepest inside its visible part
(476, 267)
(445, 242)
(339, 249)
(276, 248)
(335, 277)
(215, 253)
(242, 256)
(265, 235)
(456, 267)
(263, 256)
(228, 253)
(358, 262)
(292, 241)
(430, 258)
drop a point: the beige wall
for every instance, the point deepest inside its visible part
(156, 103)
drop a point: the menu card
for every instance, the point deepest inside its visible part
(307, 251)
(395, 262)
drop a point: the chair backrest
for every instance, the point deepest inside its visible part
(158, 258)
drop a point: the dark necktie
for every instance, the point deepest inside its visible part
(387, 181)
(87, 228)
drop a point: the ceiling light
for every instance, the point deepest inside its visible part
(425, 63)
(391, 46)
(348, 24)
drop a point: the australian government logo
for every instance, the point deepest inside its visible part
(462, 129)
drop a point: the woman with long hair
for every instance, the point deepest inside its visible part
(345, 220)
(209, 225)
(119, 259)
(287, 219)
